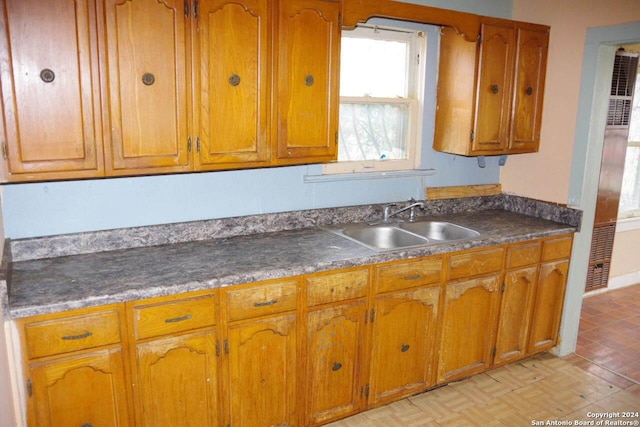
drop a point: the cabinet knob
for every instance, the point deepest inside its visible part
(529, 91)
(234, 80)
(309, 80)
(87, 425)
(47, 75)
(405, 348)
(148, 79)
(495, 89)
(336, 366)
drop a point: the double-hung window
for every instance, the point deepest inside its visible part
(381, 85)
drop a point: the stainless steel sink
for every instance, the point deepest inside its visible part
(401, 235)
(384, 237)
(438, 230)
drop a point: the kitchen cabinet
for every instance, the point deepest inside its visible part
(175, 362)
(405, 324)
(549, 295)
(516, 306)
(74, 365)
(470, 313)
(146, 85)
(490, 93)
(335, 350)
(233, 50)
(307, 89)
(261, 352)
(49, 74)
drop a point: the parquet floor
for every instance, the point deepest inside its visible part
(543, 388)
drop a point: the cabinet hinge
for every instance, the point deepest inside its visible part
(472, 136)
(188, 144)
(195, 9)
(373, 315)
(340, 20)
(366, 391)
(4, 150)
(198, 144)
(217, 348)
(493, 352)
(29, 388)
(186, 8)
(504, 287)
(226, 347)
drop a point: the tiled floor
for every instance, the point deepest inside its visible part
(604, 377)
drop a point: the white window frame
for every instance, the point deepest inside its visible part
(415, 102)
(634, 213)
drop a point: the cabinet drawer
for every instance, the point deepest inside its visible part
(475, 263)
(150, 320)
(408, 274)
(557, 248)
(63, 335)
(261, 300)
(523, 254)
(341, 286)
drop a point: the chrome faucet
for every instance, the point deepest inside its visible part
(387, 214)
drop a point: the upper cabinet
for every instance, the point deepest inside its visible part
(50, 94)
(307, 81)
(136, 87)
(146, 61)
(490, 92)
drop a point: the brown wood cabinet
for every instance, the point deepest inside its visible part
(490, 93)
(405, 324)
(49, 74)
(261, 355)
(305, 350)
(517, 301)
(550, 290)
(307, 81)
(175, 373)
(470, 313)
(74, 364)
(335, 348)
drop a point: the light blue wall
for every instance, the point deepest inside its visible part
(43, 209)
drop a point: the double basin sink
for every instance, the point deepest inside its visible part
(402, 235)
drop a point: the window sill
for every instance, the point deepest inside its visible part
(628, 224)
(368, 175)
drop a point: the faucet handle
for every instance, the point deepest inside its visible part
(387, 208)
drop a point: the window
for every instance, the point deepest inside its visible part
(381, 86)
(630, 193)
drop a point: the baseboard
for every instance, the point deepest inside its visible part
(624, 280)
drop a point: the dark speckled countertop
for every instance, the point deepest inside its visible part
(47, 285)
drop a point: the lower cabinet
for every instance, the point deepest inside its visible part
(82, 390)
(75, 369)
(405, 325)
(304, 351)
(177, 381)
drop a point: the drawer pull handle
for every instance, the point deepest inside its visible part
(77, 337)
(178, 319)
(265, 303)
(414, 277)
(336, 366)
(404, 348)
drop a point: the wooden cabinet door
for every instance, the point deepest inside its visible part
(262, 374)
(548, 304)
(50, 97)
(146, 59)
(404, 342)
(177, 381)
(234, 63)
(468, 327)
(515, 314)
(495, 75)
(307, 81)
(335, 341)
(530, 71)
(83, 390)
